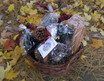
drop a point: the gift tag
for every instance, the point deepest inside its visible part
(47, 47)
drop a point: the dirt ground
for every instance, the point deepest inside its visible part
(90, 68)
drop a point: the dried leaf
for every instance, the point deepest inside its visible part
(82, 57)
(102, 19)
(32, 12)
(5, 34)
(14, 38)
(16, 56)
(11, 75)
(1, 53)
(2, 73)
(93, 29)
(84, 42)
(1, 22)
(95, 16)
(8, 68)
(23, 80)
(101, 32)
(87, 17)
(8, 46)
(10, 8)
(86, 8)
(97, 43)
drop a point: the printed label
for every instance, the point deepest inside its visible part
(47, 47)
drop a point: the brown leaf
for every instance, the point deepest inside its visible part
(97, 43)
(5, 34)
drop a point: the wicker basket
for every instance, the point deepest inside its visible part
(77, 23)
(56, 70)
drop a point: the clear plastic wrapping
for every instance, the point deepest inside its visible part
(49, 18)
(60, 52)
(28, 42)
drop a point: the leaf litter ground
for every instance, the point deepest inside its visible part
(17, 68)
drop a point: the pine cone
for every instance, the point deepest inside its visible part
(39, 34)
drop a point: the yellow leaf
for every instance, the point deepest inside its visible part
(1, 53)
(102, 19)
(1, 22)
(8, 68)
(95, 16)
(11, 75)
(30, 4)
(84, 42)
(24, 10)
(23, 80)
(97, 43)
(1, 59)
(67, 11)
(34, 20)
(58, 13)
(86, 8)
(102, 5)
(14, 38)
(76, 4)
(16, 56)
(86, 23)
(93, 29)
(2, 73)
(81, 2)
(101, 32)
(87, 17)
(7, 55)
(82, 57)
(10, 8)
(32, 12)
(55, 5)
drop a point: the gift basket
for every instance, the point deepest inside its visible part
(55, 45)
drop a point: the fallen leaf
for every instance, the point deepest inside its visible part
(22, 19)
(95, 16)
(93, 29)
(23, 80)
(2, 73)
(102, 19)
(97, 43)
(82, 57)
(8, 46)
(1, 59)
(87, 17)
(86, 8)
(86, 23)
(1, 22)
(101, 32)
(16, 56)
(32, 12)
(10, 8)
(2, 40)
(5, 34)
(24, 10)
(1, 53)
(8, 68)
(84, 42)
(14, 38)
(11, 75)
